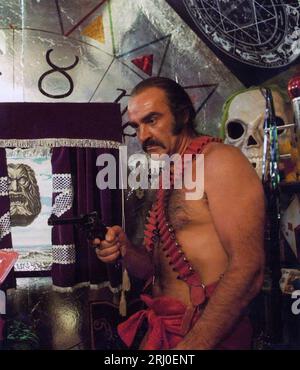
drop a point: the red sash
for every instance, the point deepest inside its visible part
(169, 320)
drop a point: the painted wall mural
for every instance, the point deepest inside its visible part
(255, 39)
(96, 51)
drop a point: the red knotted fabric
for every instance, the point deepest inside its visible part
(168, 321)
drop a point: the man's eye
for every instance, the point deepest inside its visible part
(152, 120)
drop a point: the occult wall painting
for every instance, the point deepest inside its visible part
(96, 51)
(30, 193)
(255, 39)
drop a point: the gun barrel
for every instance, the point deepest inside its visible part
(90, 222)
(64, 221)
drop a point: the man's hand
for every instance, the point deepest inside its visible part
(113, 246)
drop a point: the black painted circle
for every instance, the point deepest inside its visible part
(260, 33)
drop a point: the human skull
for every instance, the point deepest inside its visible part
(244, 127)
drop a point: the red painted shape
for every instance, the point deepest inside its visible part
(145, 63)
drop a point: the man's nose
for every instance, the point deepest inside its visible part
(144, 133)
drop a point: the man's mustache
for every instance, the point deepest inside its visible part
(151, 142)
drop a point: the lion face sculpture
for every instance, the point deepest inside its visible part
(24, 194)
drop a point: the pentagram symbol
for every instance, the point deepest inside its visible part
(264, 33)
(61, 70)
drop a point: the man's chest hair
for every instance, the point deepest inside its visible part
(182, 212)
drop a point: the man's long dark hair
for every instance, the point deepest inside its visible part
(179, 101)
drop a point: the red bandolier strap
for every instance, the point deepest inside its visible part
(159, 228)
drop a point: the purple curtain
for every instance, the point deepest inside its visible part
(75, 193)
(89, 198)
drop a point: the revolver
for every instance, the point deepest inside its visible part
(90, 222)
(94, 228)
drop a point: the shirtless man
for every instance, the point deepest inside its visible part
(221, 234)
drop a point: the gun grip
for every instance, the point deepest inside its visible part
(98, 232)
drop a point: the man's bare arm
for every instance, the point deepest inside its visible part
(236, 202)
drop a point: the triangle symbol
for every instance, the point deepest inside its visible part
(91, 23)
(71, 17)
(200, 94)
(147, 59)
(95, 30)
(144, 63)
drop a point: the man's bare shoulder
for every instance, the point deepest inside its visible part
(224, 154)
(228, 168)
(220, 149)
